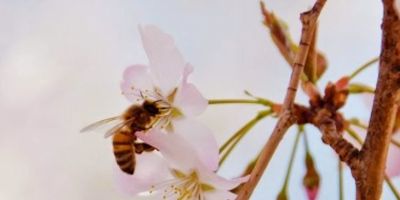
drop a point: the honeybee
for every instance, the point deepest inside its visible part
(138, 117)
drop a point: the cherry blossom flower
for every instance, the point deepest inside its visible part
(165, 80)
(187, 160)
(153, 167)
(149, 167)
(189, 178)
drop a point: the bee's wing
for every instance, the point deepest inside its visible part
(100, 123)
(117, 127)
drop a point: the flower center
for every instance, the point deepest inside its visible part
(182, 187)
(162, 104)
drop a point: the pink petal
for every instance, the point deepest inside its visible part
(393, 161)
(186, 72)
(201, 139)
(220, 195)
(342, 83)
(188, 99)
(213, 179)
(175, 149)
(150, 169)
(166, 62)
(152, 197)
(312, 193)
(136, 78)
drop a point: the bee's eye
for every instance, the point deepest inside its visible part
(151, 108)
(157, 107)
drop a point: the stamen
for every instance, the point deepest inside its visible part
(142, 94)
(184, 188)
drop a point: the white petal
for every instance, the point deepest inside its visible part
(219, 195)
(150, 169)
(201, 139)
(219, 182)
(173, 147)
(166, 62)
(188, 99)
(136, 78)
(146, 198)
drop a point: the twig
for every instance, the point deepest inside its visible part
(230, 144)
(240, 101)
(354, 135)
(363, 67)
(309, 21)
(392, 187)
(345, 150)
(360, 125)
(290, 167)
(395, 143)
(286, 119)
(267, 152)
(341, 188)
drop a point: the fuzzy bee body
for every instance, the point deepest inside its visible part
(136, 118)
(124, 151)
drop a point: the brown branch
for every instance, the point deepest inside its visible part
(309, 21)
(286, 119)
(375, 148)
(345, 150)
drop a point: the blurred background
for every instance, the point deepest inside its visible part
(61, 62)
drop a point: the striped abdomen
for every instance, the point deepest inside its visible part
(124, 151)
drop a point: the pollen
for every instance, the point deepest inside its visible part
(183, 187)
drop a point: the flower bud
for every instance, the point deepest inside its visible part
(311, 179)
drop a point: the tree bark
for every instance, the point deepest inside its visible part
(373, 154)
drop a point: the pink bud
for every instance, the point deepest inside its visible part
(342, 83)
(312, 193)
(311, 178)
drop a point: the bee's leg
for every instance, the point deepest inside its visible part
(148, 148)
(138, 148)
(143, 147)
(154, 123)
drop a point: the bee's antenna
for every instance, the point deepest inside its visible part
(157, 92)
(141, 94)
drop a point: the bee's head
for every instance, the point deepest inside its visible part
(158, 107)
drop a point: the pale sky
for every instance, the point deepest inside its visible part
(61, 62)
